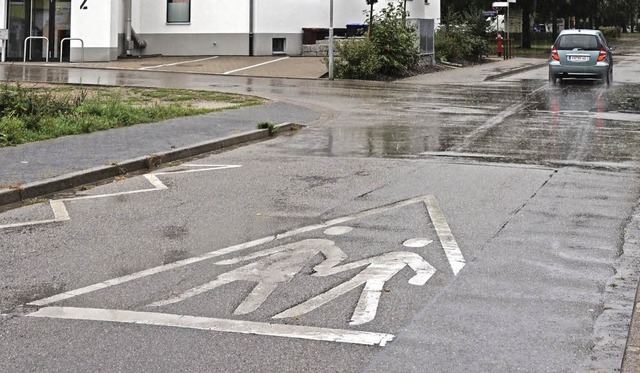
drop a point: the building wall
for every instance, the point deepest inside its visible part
(432, 11)
(98, 32)
(3, 13)
(217, 27)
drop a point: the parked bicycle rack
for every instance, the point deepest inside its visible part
(35, 37)
(70, 39)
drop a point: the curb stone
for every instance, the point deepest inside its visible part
(514, 71)
(149, 162)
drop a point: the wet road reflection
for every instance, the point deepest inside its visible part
(584, 124)
(528, 121)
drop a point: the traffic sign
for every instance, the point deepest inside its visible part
(490, 13)
(500, 4)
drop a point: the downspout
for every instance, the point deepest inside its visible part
(127, 27)
(251, 19)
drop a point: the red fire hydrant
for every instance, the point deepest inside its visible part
(499, 44)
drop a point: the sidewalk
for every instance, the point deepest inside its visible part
(45, 167)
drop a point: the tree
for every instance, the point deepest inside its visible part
(526, 6)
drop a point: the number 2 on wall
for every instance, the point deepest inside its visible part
(84, 5)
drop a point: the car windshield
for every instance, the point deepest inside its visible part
(580, 42)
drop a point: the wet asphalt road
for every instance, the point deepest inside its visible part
(537, 184)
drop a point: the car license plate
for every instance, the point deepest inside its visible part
(578, 58)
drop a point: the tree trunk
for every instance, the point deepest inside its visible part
(554, 20)
(526, 25)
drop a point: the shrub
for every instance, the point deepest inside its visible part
(392, 50)
(463, 39)
(611, 32)
(12, 130)
(395, 41)
(460, 47)
(358, 60)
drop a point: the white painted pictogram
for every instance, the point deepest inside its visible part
(272, 267)
(378, 271)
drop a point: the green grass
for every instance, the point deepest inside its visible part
(37, 113)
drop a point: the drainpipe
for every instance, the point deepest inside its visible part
(251, 19)
(127, 27)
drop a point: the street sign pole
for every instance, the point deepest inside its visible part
(330, 40)
(507, 25)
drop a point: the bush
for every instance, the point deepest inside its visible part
(12, 130)
(611, 32)
(463, 39)
(460, 47)
(395, 41)
(358, 60)
(391, 52)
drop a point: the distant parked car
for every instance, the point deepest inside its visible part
(581, 54)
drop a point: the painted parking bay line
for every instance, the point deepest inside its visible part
(252, 66)
(177, 63)
(215, 325)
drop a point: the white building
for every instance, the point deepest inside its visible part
(112, 28)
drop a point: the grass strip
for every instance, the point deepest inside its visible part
(37, 113)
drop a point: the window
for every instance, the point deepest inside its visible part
(278, 45)
(178, 11)
(584, 42)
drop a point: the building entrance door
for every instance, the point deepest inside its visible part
(39, 18)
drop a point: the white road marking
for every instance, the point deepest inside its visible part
(337, 231)
(257, 65)
(200, 168)
(177, 63)
(379, 270)
(456, 265)
(276, 266)
(148, 272)
(488, 125)
(216, 325)
(60, 211)
(448, 242)
(417, 242)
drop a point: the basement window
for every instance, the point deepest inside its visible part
(278, 45)
(178, 11)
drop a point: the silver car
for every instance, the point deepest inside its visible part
(581, 54)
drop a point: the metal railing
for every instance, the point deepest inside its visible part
(28, 39)
(70, 39)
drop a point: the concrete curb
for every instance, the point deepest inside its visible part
(149, 162)
(514, 71)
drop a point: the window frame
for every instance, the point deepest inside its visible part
(170, 22)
